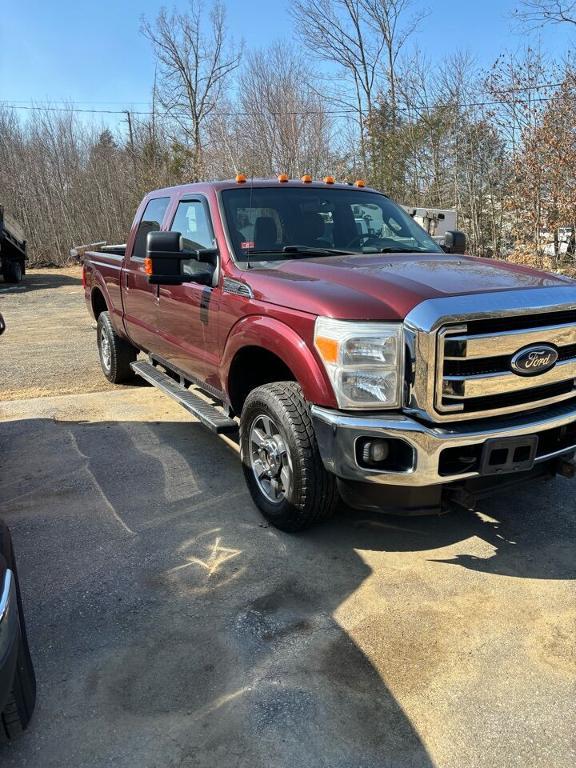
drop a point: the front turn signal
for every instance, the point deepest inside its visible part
(328, 349)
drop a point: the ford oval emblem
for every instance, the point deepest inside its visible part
(531, 361)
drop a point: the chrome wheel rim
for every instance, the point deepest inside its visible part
(270, 459)
(105, 350)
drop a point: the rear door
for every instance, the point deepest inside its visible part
(141, 298)
(188, 313)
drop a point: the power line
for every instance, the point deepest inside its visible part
(307, 113)
(70, 101)
(9, 104)
(29, 103)
(34, 108)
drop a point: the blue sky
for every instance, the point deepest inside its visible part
(92, 53)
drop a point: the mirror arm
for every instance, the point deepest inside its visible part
(170, 279)
(201, 254)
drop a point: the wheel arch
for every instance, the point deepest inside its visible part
(98, 302)
(262, 350)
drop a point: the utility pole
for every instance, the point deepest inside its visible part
(131, 141)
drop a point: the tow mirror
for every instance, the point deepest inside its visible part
(165, 257)
(454, 241)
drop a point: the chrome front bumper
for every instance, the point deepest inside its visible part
(337, 432)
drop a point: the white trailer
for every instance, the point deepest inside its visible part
(436, 221)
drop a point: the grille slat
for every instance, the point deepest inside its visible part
(508, 342)
(474, 365)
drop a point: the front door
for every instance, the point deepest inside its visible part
(139, 297)
(187, 313)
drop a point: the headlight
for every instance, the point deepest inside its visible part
(364, 361)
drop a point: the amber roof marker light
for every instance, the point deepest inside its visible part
(240, 178)
(283, 178)
(329, 179)
(307, 179)
(359, 183)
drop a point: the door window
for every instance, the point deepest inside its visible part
(151, 221)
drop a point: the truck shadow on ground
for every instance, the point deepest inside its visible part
(205, 637)
(39, 281)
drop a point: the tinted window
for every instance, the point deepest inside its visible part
(192, 222)
(267, 219)
(151, 221)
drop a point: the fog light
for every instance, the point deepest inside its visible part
(375, 451)
(390, 454)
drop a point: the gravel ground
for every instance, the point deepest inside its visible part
(170, 627)
(49, 342)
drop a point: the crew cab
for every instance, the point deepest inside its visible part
(368, 365)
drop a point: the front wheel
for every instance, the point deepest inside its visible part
(280, 458)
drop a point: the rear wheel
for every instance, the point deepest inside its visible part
(116, 353)
(280, 458)
(12, 271)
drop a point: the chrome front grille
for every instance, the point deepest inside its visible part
(474, 377)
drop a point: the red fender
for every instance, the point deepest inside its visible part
(278, 338)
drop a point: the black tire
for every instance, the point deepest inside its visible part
(116, 358)
(18, 710)
(12, 271)
(311, 495)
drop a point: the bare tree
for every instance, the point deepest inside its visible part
(538, 13)
(284, 123)
(394, 23)
(337, 31)
(60, 178)
(196, 59)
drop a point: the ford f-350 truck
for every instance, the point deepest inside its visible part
(373, 366)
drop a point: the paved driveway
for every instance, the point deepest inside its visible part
(171, 627)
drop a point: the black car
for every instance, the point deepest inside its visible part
(17, 680)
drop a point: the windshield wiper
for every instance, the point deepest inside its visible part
(258, 251)
(398, 250)
(297, 249)
(311, 249)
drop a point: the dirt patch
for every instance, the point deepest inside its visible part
(49, 347)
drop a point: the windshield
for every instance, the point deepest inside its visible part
(272, 223)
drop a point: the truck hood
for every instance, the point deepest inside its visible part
(385, 286)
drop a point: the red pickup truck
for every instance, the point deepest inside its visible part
(356, 357)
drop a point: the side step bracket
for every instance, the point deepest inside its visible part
(208, 414)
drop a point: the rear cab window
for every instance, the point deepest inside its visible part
(151, 221)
